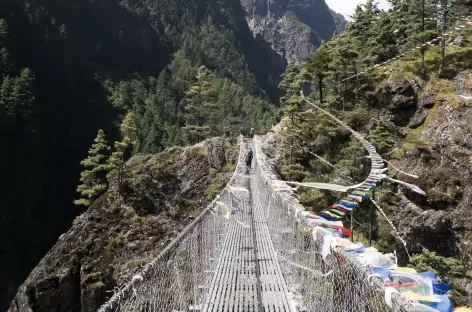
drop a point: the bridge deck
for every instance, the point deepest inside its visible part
(248, 276)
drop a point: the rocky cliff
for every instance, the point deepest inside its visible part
(294, 28)
(432, 123)
(119, 234)
(421, 124)
(340, 21)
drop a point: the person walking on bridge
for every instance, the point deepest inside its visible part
(227, 132)
(248, 159)
(241, 132)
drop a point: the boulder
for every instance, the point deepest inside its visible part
(399, 97)
(463, 83)
(460, 41)
(427, 100)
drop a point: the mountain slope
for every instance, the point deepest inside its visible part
(68, 69)
(340, 21)
(88, 63)
(293, 27)
(415, 108)
(120, 233)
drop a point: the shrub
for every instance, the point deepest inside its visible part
(443, 267)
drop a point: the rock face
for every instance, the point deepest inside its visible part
(340, 22)
(119, 234)
(400, 99)
(435, 126)
(294, 28)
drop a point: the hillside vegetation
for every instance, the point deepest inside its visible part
(414, 110)
(68, 69)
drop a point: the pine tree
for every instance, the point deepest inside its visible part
(345, 60)
(421, 25)
(292, 82)
(124, 148)
(96, 167)
(204, 114)
(318, 65)
(23, 92)
(443, 8)
(7, 102)
(128, 128)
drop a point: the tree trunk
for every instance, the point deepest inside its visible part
(443, 39)
(320, 82)
(423, 49)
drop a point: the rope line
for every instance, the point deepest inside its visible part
(403, 54)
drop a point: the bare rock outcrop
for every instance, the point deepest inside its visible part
(118, 234)
(293, 28)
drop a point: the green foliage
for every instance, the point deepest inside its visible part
(318, 64)
(294, 172)
(115, 241)
(128, 128)
(96, 167)
(188, 106)
(215, 187)
(314, 199)
(443, 267)
(381, 137)
(140, 56)
(202, 104)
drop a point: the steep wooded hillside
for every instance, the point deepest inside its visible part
(69, 69)
(415, 108)
(123, 230)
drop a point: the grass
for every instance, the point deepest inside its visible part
(197, 151)
(135, 263)
(457, 59)
(91, 277)
(294, 22)
(229, 167)
(216, 185)
(96, 285)
(445, 92)
(115, 241)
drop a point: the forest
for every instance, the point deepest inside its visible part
(375, 77)
(72, 72)
(84, 85)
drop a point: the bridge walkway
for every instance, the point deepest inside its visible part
(248, 275)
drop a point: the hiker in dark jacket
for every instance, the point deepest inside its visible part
(241, 132)
(248, 158)
(227, 132)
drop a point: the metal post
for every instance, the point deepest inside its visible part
(352, 225)
(370, 225)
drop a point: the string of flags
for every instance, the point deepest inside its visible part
(422, 289)
(346, 205)
(467, 21)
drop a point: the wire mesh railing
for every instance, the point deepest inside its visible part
(319, 278)
(178, 278)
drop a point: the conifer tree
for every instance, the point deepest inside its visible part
(124, 148)
(204, 113)
(292, 81)
(128, 128)
(96, 166)
(443, 8)
(318, 65)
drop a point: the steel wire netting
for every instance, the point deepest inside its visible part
(336, 282)
(178, 278)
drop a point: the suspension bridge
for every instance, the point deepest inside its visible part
(255, 248)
